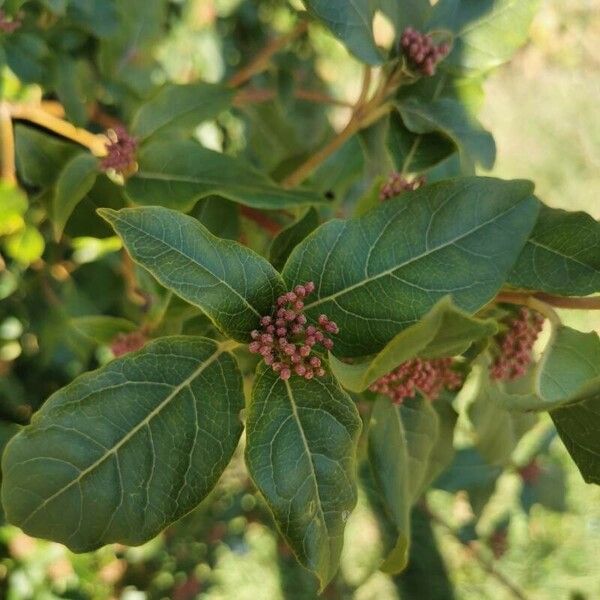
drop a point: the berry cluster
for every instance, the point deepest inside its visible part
(286, 342)
(429, 377)
(516, 344)
(121, 150)
(124, 343)
(8, 25)
(422, 54)
(396, 184)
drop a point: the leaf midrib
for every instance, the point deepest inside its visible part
(568, 257)
(129, 435)
(387, 272)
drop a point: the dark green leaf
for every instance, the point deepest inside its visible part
(291, 236)
(449, 117)
(487, 33)
(444, 331)
(124, 451)
(75, 88)
(442, 453)
(352, 22)
(180, 108)
(400, 442)
(300, 451)
(411, 13)
(102, 328)
(375, 275)
(219, 215)
(178, 174)
(99, 18)
(75, 180)
(229, 282)
(562, 255)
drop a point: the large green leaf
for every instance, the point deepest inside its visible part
(562, 255)
(487, 33)
(291, 236)
(124, 451)
(180, 107)
(449, 118)
(444, 331)
(300, 451)
(74, 182)
(352, 22)
(178, 174)
(377, 274)
(233, 285)
(400, 442)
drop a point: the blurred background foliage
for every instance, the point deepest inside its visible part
(542, 523)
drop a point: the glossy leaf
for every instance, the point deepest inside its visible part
(449, 117)
(291, 236)
(178, 174)
(74, 182)
(443, 332)
(300, 451)
(180, 108)
(400, 442)
(124, 451)
(562, 255)
(352, 23)
(229, 282)
(487, 33)
(378, 274)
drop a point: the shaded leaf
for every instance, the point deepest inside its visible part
(124, 451)
(443, 332)
(291, 236)
(562, 255)
(75, 180)
(178, 174)
(180, 108)
(378, 274)
(233, 285)
(219, 215)
(300, 451)
(101, 328)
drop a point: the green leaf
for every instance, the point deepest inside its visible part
(405, 14)
(101, 328)
(233, 285)
(400, 442)
(351, 21)
(40, 157)
(426, 577)
(219, 215)
(444, 331)
(124, 451)
(13, 206)
(181, 108)
(378, 274)
(562, 255)
(75, 86)
(192, 172)
(487, 33)
(300, 451)
(449, 117)
(74, 182)
(442, 453)
(291, 236)
(99, 18)
(26, 245)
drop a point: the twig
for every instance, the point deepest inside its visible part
(261, 61)
(572, 302)
(486, 563)
(261, 219)
(96, 143)
(7, 146)
(366, 84)
(253, 96)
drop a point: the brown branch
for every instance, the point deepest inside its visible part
(486, 563)
(96, 143)
(262, 60)
(571, 302)
(261, 219)
(254, 96)
(8, 171)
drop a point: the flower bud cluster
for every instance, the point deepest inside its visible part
(516, 344)
(429, 377)
(396, 184)
(124, 343)
(121, 150)
(8, 25)
(422, 54)
(286, 342)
